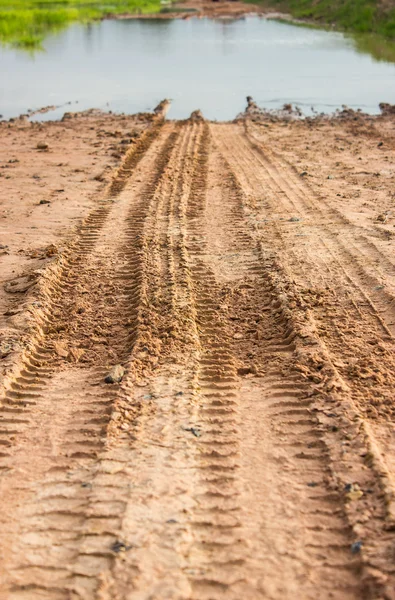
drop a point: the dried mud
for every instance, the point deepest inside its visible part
(242, 275)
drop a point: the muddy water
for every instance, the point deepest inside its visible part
(212, 65)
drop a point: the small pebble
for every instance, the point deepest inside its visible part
(356, 547)
(119, 547)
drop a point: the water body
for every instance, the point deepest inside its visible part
(130, 65)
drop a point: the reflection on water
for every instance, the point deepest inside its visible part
(130, 65)
(376, 46)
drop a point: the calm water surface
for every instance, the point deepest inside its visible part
(131, 65)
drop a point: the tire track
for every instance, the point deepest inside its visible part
(155, 447)
(257, 337)
(339, 314)
(217, 549)
(54, 490)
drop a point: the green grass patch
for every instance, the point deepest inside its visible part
(25, 23)
(357, 16)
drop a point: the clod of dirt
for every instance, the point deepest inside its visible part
(75, 354)
(61, 349)
(382, 218)
(5, 350)
(162, 107)
(387, 109)
(42, 146)
(247, 370)
(20, 284)
(196, 115)
(115, 375)
(42, 253)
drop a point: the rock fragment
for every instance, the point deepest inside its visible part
(115, 375)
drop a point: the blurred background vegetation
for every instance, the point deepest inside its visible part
(357, 16)
(24, 23)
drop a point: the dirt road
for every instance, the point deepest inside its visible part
(249, 450)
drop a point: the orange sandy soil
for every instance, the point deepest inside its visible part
(236, 283)
(46, 192)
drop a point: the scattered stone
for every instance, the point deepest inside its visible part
(42, 146)
(312, 484)
(179, 393)
(120, 547)
(303, 174)
(115, 375)
(238, 336)
(194, 431)
(380, 144)
(356, 547)
(13, 161)
(353, 492)
(294, 219)
(45, 202)
(330, 177)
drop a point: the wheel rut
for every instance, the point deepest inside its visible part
(329, 289)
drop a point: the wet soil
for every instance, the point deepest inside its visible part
(223, 9)
(238, 279)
